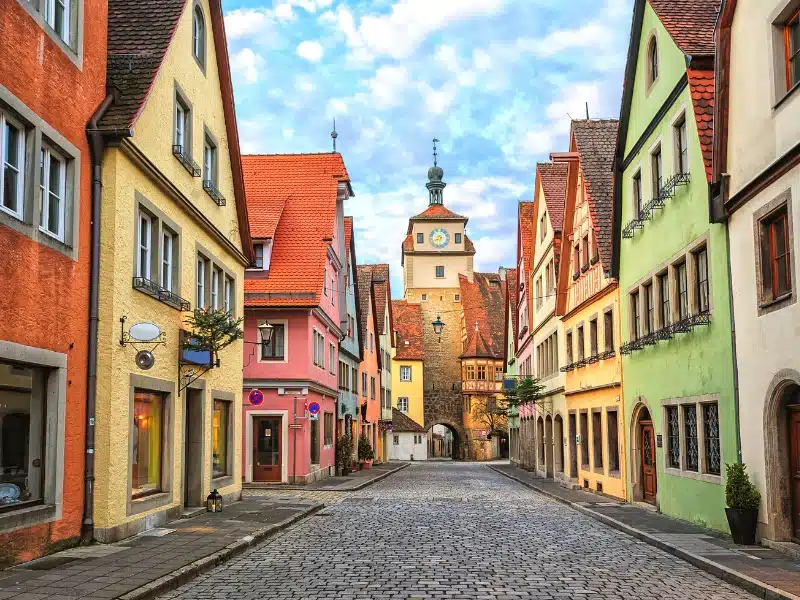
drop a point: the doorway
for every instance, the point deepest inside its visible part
(647, 448)
(267, 449)
(794, 472)
(193, 452)
(572, 445)
(558, 444)
(548, 448)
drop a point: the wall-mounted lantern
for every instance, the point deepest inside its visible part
(214, 502)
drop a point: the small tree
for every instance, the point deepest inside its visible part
(344, 451)
(740, 492)
(365, 451)
(492, 413)
(211, 330)
(526, 391)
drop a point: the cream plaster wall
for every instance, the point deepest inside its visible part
(413, 390)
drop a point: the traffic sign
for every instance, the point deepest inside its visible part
(313, 408)
(256, 397)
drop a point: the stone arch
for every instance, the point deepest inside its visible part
(634, 451)
(558, 443)
(459, 437)
(548, 447)
(540, 444)
(446, 407)
(783, 390)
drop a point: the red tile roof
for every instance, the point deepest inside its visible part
(701, 86)
(690, 23)
(408, 325)
(408, 244)
(364, 286)
(525, 234)
(402, 423)
(512, 296)
(554, 186)
(483, 301)
(382, 291)
(306, 186)
(596, 141)
(436, 212)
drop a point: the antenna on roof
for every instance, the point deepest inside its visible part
(334, 135)
(434, 152)
(476, 324)
(587, 111)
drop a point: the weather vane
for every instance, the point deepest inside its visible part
(434, 151)
(334, 135)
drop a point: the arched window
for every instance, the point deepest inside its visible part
(652, 61)
(199, 36)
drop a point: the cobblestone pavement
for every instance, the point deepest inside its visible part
(326, 497)
(453, 530)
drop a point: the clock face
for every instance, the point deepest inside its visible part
(440, 238)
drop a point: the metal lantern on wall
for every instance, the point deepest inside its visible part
(214, 502)
(266, 330)
(438, 325)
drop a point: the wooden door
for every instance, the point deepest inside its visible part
(648, 456)
(267, 446)
(794, 441)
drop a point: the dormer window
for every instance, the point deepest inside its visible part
(652, 62)
(263, 252)
(199, 37)
(259, 248)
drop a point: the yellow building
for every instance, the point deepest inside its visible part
(174, 238)
(407, 356)
(588, 304)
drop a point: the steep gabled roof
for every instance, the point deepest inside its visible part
(512, 295)
(701, 86)
(596, 140)
(408, 325)
(525, 227)
(436, 212)
(402, 423)
(381, 291)
(554, 185)
(482, 301)
(366, 300)
(308, 185)
(690, 23)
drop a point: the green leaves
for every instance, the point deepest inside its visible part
(740, 492)
(527, 391)
(344, 450)
(212, 330)
(365, 451)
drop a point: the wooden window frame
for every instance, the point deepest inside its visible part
(792, 21)
(768, 234)
(657, 169)
(636, 316)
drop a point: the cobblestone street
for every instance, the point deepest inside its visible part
(453, 530)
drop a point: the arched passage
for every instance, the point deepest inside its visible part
(548, 446)
(446, 440)
(782, 455)
(558, 444)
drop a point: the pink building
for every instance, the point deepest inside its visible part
(526, 300)
(296, 210)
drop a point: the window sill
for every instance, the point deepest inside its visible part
(706, 477)
(222, 481)
(186, 161)
(615, 474)
(51, 235)
(776, 301)
(786, 96)
(27, 517)
(147, 503)
(599, 471)
(213, 192)
(152, 289)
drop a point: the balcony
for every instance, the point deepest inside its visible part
(667, 192)
(212, 191)
(667, 333)
(191, 167)
(152, 289)
(594, 358)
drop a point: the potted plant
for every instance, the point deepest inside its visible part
(344, 452)
(743, 500)
(365, 453)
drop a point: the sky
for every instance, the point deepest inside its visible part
(497, 81)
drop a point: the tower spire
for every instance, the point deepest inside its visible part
(334, 135)
(435, 184)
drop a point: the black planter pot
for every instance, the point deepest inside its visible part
(743, 522)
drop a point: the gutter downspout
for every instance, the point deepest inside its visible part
(736, 410)
(96, 147)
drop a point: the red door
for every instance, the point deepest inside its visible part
(794, 437)
(648, 450)
(267, 458)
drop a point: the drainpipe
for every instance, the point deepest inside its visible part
(96, 147)
(733, 345)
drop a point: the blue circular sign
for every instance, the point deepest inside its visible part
(313, 408)
(256, 397)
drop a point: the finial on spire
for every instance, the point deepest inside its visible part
(435, 184)
(434, 152)
(476, 324)
(334, 135)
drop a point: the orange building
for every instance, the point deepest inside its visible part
(370, 369)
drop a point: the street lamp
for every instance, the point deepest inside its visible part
(266, 330)
(438, 325)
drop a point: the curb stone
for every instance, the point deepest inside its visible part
(306, 488)
(202, 565)
(753, 586)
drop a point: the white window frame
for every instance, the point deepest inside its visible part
(144, 243)
(209, 161)
(403, 370)
(402, 404)
(50, 17)
(6, 120)
(181, 113)
(46, 155)
(201, 282)
(215, 273)
(167, 245)
(199, 35)
(228, 294)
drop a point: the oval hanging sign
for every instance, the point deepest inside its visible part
(256, 397)
(144, 331)
(313, 408)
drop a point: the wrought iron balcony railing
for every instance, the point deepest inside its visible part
(666, 192)
(151, 288)
(192, 167)
(667, 332)
(212, 191)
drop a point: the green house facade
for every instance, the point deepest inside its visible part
(672, 266)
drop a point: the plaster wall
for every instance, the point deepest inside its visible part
(424, 270)
(413, 390)
(405, 448)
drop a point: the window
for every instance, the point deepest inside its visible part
(457, 238)
(228, 295)
(681, 146)
(569, 348)
(613, 440)
(581, 345)
(372, 388)
(167, 243)
(673, 438)
(219, 438)
(328, 428)
(584, 440)
(371, 342)
(420, 238)
(608, 331)
(57, 15)
(439, 272)
(457, 298)
(182, 125)
(331, 358)
(201, 282)
(199, 37)
(683, 292)
(657, 171)
(470, 372)
(209, 162)
(586, 251)
(259, 251)
(402, 404)
(424, 297)
(636, 317)
(690, 437)
(12, 158)
(663, 285)
(576, 260)
(148, 442)
(405, 373)
(593, 337)
(711, 438)
(701, 282)
(498, 374)
(776, 278)
(333, 291)
(597, 439)
(354, 380)
(215, 279)
(481, 372)
(314, 441)
(364, 385)
(274, 348)
(792, 42)
(638, 205)
(396, 439)
(53, 191)
(649, 312)
(538, 292)
(319, 349)
(652, 62)
(145, 238)
(543, 226)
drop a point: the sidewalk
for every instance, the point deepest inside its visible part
(758, 570)
(155, 561)
(355, 481)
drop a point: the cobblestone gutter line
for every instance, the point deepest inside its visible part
(202, 565)
(753, 586)
(332, 488)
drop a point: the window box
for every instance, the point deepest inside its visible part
(212, 191)
(188, 163)
(584, 268)
(595, 259)
(575, 276)
(152, 289)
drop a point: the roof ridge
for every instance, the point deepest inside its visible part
(293, 154)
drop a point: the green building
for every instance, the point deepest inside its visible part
(672, 267)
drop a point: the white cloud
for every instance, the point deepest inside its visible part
(241, 23)
(388, 86)
(336, 106)
(304, 84)
(247, 63)
(482, 59)
(491, 251)
(572, 105)
(592, 35)
(311, 51)
(438, 101)
(288, 133)
(284, 12)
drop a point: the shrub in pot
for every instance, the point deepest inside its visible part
(344, 453)
(743, 500)
(365, 452)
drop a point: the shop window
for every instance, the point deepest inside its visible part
(328, 428)
(691, 447)
(220, 422)
(147, 446)
(584, 440)
(597, 440)
(673, 437)
(314, 441)
(713, 456)
(613, 441)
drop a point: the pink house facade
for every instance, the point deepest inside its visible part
(525, 309)
(297, 286)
